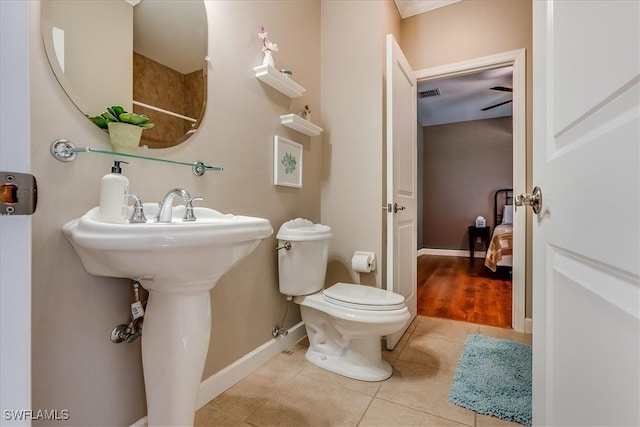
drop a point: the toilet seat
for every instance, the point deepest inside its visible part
(363, 297)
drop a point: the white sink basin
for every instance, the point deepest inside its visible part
(178, 263)
(192, 254)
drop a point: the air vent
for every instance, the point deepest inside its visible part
(429, 93)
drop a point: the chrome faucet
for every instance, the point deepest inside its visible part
(137, 216)
(164, 211)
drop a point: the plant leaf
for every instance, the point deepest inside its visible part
(99, 121)
(109, 116)
(116, 110)
(133, 118)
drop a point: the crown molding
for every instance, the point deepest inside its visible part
(409, 8)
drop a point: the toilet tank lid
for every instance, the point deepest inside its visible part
(300, 230)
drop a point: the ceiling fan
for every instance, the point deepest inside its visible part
(503, 89)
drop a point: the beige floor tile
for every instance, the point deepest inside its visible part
(507, 334)
(451, 330)
(209, 416)
(306, 402)
(487, 421)
(424, 388)
(246, 396)
(285, 365)
(319, 374)
(392, 355)
(434, 351)
(384, 414)
(290, 391)
(301, 345)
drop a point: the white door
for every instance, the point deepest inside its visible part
(15, 231)
(586, 256)
(401, 181)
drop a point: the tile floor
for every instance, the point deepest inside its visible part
(289, 391)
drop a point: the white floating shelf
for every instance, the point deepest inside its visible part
(296, 122)
(278, 81)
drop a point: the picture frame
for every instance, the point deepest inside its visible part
(287, 162)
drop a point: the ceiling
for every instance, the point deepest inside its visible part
(462, 98)
(459, 98)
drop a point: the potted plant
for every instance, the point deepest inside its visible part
(124, 128)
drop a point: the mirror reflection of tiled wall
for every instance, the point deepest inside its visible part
(160, 86)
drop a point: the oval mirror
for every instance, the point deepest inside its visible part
(146, 55)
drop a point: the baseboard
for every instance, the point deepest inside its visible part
(528, 325)
(222, 380)
(451, 252)
(142, 422)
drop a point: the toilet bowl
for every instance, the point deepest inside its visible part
(344, 322)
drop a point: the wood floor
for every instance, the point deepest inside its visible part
(453, 288)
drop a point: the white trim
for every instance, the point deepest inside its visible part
(408, 8)
(222, 380)
(15, 245)
(451, 252)
(517, 59)
(528, 325)
(142, 422)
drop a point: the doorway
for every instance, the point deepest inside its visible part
(451, 287)
(516, 59)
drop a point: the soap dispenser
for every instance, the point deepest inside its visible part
(113, 195)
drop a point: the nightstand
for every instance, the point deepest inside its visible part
(478, 232)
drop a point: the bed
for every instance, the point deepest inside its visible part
(500, 252)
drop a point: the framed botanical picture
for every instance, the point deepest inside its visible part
(287, 162)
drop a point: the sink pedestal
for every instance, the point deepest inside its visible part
(175, 341)
(178, 262)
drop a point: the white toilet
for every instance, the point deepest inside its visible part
(344, 322)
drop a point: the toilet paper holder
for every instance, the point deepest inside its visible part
(363, 262)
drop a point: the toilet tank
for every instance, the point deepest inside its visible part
(303, 267)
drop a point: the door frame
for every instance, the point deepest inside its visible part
(517, 59)
(15, 245)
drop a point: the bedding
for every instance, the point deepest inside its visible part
(500, 250)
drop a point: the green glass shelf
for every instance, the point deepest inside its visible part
(66, 151)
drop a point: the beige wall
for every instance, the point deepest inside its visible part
(352, 110)
(464, 164)
(75, 366)
(473, 29)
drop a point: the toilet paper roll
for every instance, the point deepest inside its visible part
(363, 262)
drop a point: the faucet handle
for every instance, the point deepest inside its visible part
(188, 212)
(138, 211)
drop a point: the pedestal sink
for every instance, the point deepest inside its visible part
(178, 263)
